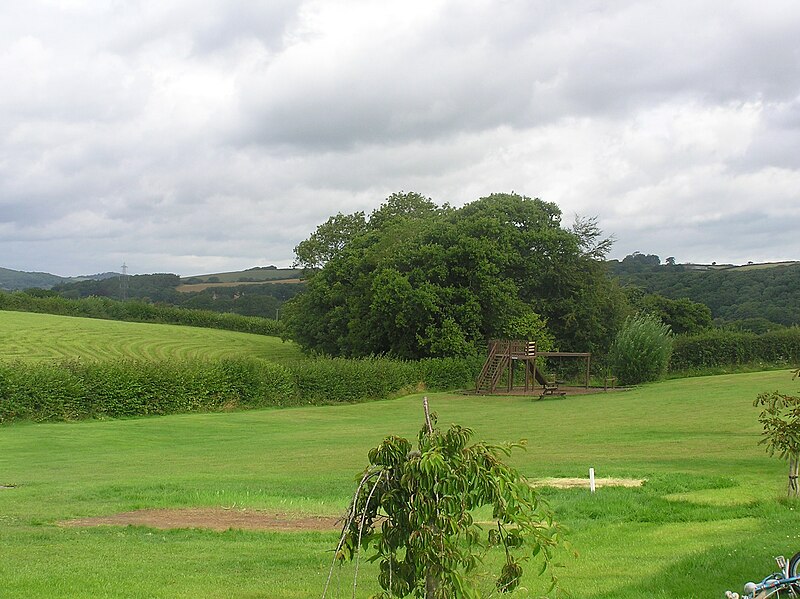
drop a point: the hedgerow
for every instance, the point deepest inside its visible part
(721, 347)
(138, 311)
(80, 390)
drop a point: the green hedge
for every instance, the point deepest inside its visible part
(138, 311)
(76, 390)
(729, 348)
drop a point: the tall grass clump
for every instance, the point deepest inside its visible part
(641, 350)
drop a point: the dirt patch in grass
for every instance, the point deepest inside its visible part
(576, 483)
(218, 519)
(221, 519)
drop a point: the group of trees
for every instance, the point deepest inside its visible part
(415, 279)
(750, 298)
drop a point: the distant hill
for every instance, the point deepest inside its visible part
(14, 280)
(748, 266)
(765, 292)
(253, 292)
(257, 274)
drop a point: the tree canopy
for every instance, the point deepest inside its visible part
(420, 280)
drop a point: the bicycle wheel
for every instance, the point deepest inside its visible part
(794, 565)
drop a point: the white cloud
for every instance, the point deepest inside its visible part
(191, 136)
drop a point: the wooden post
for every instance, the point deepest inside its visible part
(588, 361)
(425, 407)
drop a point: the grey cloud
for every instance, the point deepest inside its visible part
(758, 238)
(580, 62)
(189, 136)
(777, 142)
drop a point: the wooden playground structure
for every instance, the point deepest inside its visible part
(504, 357)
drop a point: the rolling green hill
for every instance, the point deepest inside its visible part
(35, 337)
(254, 292)
(11, 280)
(767, 292)
(251, 275)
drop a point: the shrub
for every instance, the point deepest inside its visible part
(440, 374)
(641, 350)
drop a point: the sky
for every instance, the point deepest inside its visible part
(198, 136)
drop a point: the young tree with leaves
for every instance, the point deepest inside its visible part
(414, 511)
(780, 418)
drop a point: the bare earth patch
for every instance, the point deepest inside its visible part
(574, 483)
(221, 519)
(218, 519)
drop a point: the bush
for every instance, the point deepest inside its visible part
(641, 350)
(325, 380)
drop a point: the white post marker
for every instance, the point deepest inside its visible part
(591, 479)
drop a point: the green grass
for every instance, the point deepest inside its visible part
(709, 517)
(36, 337)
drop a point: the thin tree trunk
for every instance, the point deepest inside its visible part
(431, 585)
(794, 467)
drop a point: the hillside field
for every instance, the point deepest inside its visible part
(709, 516)
(34, 337)
(261, 274)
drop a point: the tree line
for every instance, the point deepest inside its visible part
(750, 299)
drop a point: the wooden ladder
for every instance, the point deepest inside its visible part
(492, 370)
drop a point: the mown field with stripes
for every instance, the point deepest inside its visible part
(31, 337)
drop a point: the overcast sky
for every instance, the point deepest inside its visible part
(195, 136)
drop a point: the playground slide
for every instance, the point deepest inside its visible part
(540, 378)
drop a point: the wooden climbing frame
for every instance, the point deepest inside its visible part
(504, 354)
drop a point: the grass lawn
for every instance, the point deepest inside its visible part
(35, 337)
(709, 517)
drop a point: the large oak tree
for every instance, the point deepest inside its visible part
(420, 280)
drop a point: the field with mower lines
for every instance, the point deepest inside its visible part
(711, 514)
(39, 337)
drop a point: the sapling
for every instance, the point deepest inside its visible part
(413, 512)
(781, 421)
